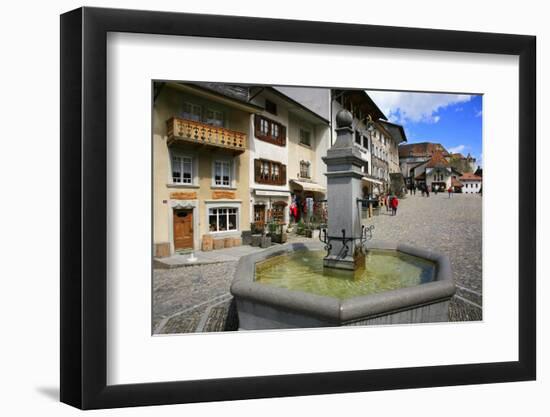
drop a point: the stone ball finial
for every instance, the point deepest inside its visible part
(344, 118)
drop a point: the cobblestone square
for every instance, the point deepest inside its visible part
(452, 226)
(196, 298)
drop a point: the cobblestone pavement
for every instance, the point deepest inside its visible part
(196, 298)
(448, 225)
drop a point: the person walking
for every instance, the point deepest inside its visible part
(394, 204)
(450, 191)
(427, 191)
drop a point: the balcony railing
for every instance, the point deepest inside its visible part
(190, 131)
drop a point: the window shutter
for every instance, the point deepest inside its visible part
(283, 174)
(283, 135)
(257, 120)
(257, 165)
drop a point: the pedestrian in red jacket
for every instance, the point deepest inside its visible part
(394, 204)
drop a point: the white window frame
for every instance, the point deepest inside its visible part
(227, 205)
(308, 170)
(189, 116)
(215, 112)
(194, 168)
(231, 173)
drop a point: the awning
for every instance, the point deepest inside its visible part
(309, 186)
(372, 180)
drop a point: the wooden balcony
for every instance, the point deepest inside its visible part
(201, 134)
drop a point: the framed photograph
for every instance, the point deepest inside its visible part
(257, 208)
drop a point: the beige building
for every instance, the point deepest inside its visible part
(201, 165)
(288, 140)
(364, 111)
(227, 158)
(394, 136)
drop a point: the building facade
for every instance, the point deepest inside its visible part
(471, 183)
(365, 112)
(380, 167)
(396, 137)
(201, 165)
(229, 159)
(413, 156)
(288, 141)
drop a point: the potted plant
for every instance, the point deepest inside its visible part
(300, 227)
(277, 233)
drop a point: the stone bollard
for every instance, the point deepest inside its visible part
(256, 240)
(265, 242)
(246, 237)
(207, 243)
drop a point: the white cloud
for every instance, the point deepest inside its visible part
(415, 107)
(457, 149)
(479, 113)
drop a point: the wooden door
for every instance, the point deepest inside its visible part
(183, 229)
(259, 216)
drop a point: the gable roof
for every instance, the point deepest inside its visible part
(468, 176)
(360, 99)
(437, 161)
(456, 183)
(396, 131)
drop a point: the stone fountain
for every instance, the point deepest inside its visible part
(338, 282)
(345, 236)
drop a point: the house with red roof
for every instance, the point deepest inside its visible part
(436, 173)
(471, 183)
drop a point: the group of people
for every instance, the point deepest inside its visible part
(426, 190)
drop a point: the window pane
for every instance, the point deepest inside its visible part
(232, 224)
(187, 168)
(275, 171)
(191, 112)
(265, 170)
(214, 118)
(222, 219)
(218, 173)
(176, 169)
(274, 130)
(213, 220)
(264, 127)
(225, 172)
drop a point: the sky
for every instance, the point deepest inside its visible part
(454, 120)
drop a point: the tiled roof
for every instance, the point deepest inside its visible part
(437, 161)
(468, 176)
(456, 183)
(396, 131)
(420, 177)
(423, 149)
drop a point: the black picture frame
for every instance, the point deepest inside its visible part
(84, 207)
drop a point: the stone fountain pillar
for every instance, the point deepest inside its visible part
(344, 187)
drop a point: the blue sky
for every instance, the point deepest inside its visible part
(454, 120)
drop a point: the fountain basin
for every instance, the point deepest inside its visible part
(275, 304)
